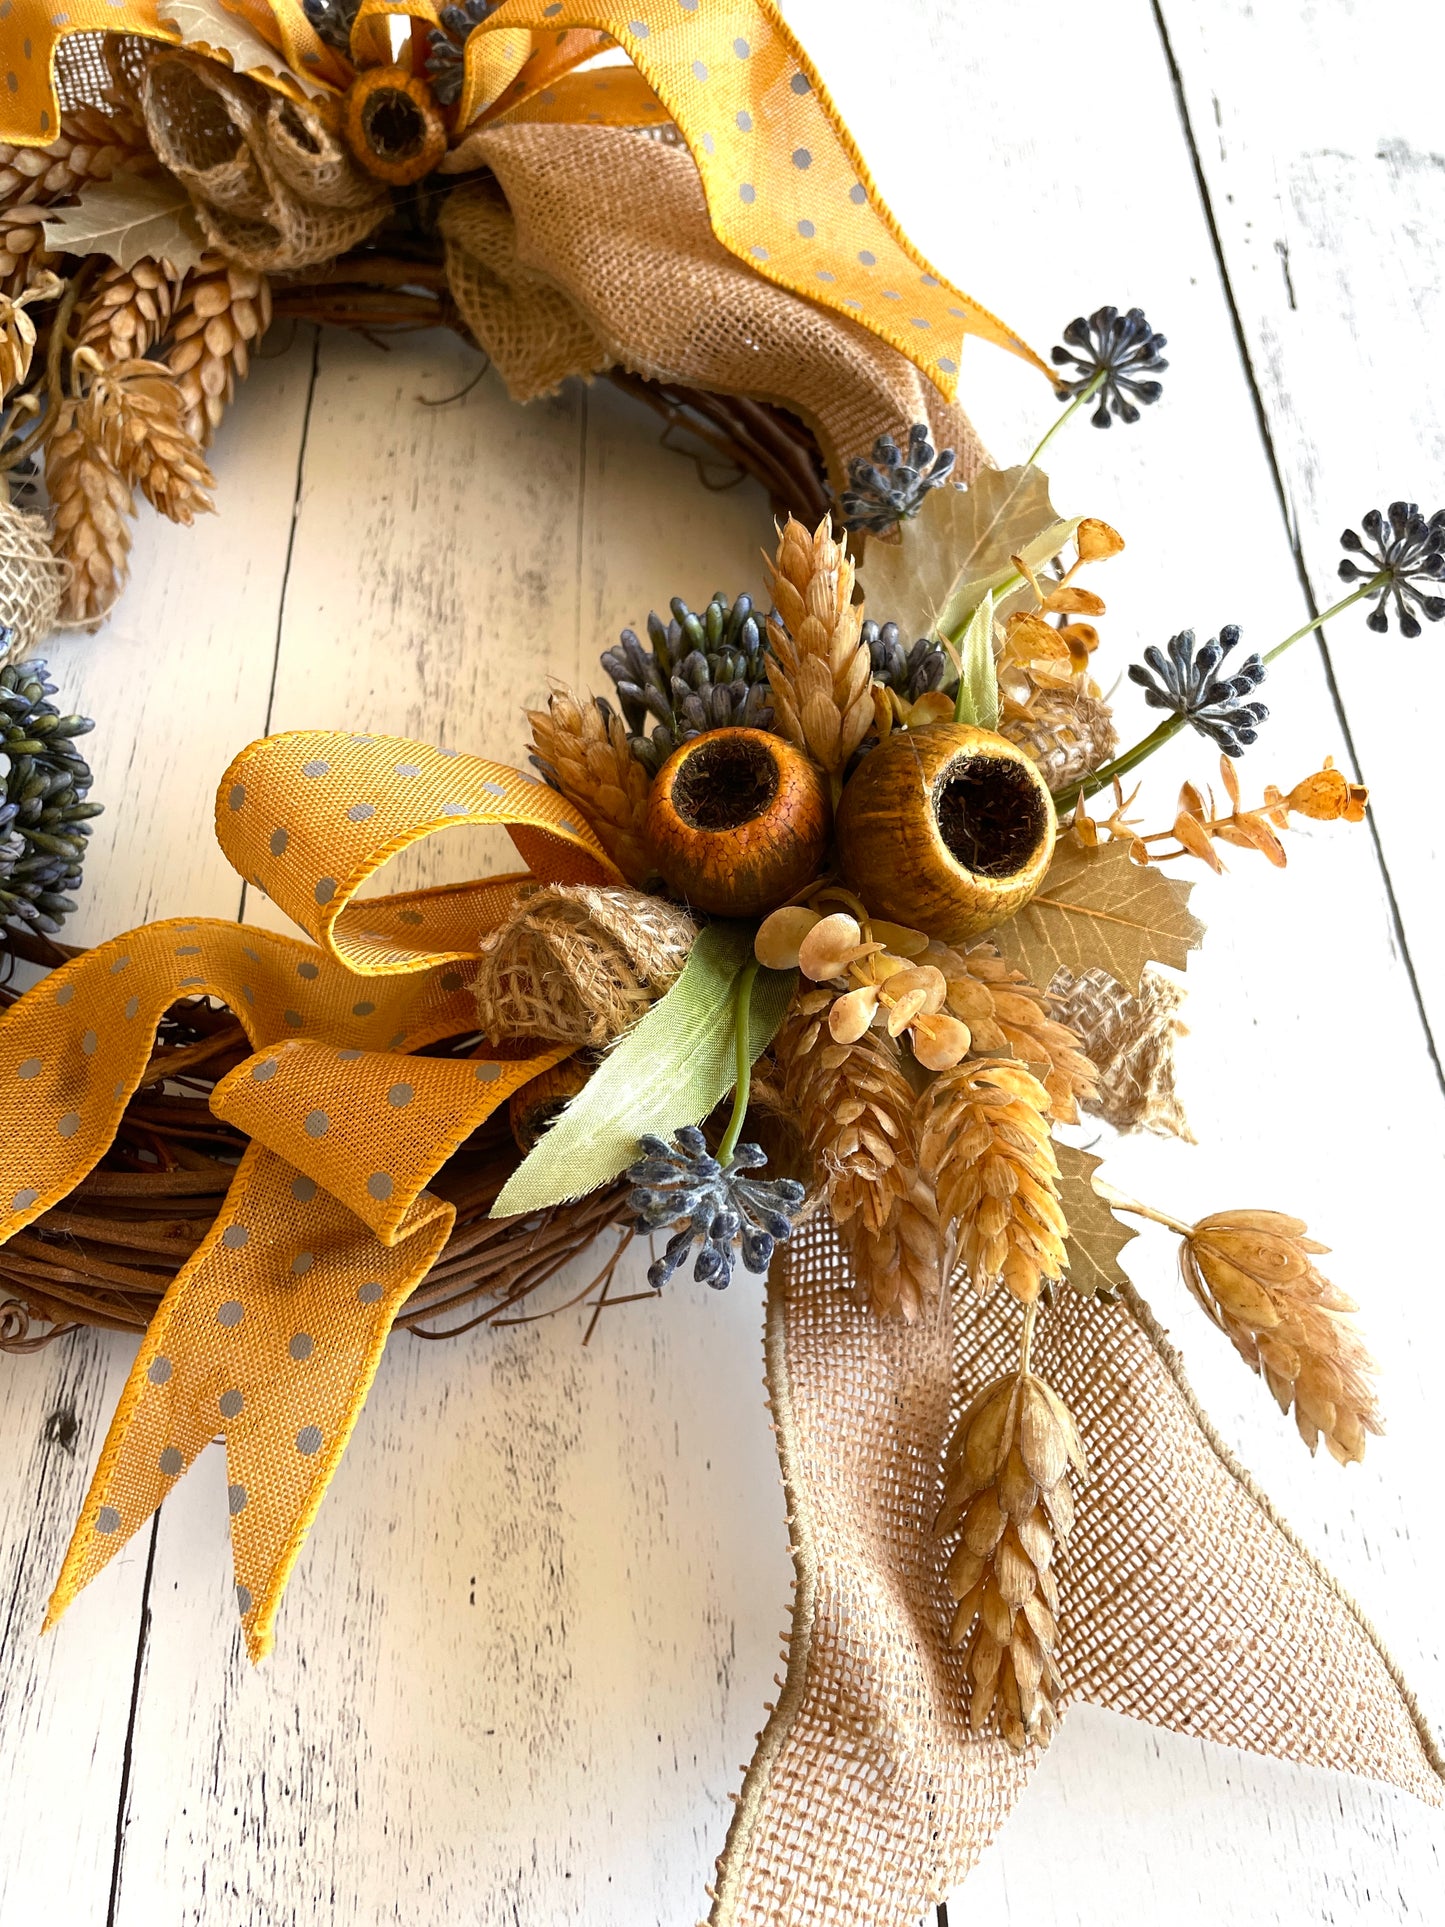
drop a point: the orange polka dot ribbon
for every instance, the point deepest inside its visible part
(787, 190)
(272, 1333)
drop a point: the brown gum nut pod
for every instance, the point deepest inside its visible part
(737, 821)
(536, 1105)
(949, 829)
(392, 125)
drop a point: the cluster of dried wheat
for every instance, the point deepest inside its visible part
(582, 748)
(820, 671)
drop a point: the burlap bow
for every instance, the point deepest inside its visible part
(787, 191)
(272, 1332)
(1187, 1600)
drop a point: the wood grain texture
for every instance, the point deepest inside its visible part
(527, 1647)
(188, 653)
(1328, 193)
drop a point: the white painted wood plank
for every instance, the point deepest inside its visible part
(1067, 184)
(349, 1779)
(526, 1651)
(1329, 196)
(189, 648)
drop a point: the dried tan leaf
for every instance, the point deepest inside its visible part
(1096, 1236)
(960, 546)
(132, 218)
(207, 23)
(1097, 907)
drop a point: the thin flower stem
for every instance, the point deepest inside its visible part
(743, 1088)
(1077, 403)
(1356, 595)
(1131, 758)
(1027, 1339)
(1118, 1201)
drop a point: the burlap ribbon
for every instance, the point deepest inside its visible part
(787, 192)
(272, 1332)
(1187, 1601)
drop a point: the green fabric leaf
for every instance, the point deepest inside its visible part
(978, 679)
(670, 1069)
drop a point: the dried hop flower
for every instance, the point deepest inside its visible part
(446, 48)
(1111, 350)
(1187, 682)
(710, 1206)
(706, 671)
(1406, 555)
(891, 487)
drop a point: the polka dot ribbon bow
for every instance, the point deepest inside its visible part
(272, 1333)
(787, 190)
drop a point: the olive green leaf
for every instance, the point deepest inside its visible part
(670, 1069)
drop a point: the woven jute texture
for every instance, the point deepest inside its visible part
(592, 248)
(578, 963)
(271, 186)
(1186, 1600)
(32, 579)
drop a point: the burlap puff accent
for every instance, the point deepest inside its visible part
(1187, 1601)
(32, 581)
(592, 248)
(272, 186)
(1130, 1042)
(580, 963)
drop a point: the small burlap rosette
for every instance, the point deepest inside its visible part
(1188, 1602)
(271, 186)
(579, 963)
(591, 248)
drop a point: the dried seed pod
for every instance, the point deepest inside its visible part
(949, 829)
(538, 1104)
(737, 821)
(1007, 1493)
(393, 125)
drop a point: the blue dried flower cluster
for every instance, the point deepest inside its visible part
(1115, 350)
(1187, 682)
(711, 1208)
(1410, 553)
(884, 492)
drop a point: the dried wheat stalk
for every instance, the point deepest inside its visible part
(91, 505)
(582, 747)
(1254, 1273)
(819, 671)
(1005, 1012)
(92, 144)
(854, 1108)
(23, 256)
(1006, 1490)
(986, 1146)
(133, 413)
(128, 311)
(222, 312)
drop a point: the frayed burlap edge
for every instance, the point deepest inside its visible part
(735, 1863)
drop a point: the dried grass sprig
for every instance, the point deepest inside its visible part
(854, 1108)
(1325, 796)
(1007, 1493)
(986, 1146)
(820, 672)
(582, 746)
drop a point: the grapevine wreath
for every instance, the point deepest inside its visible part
(840, 904)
